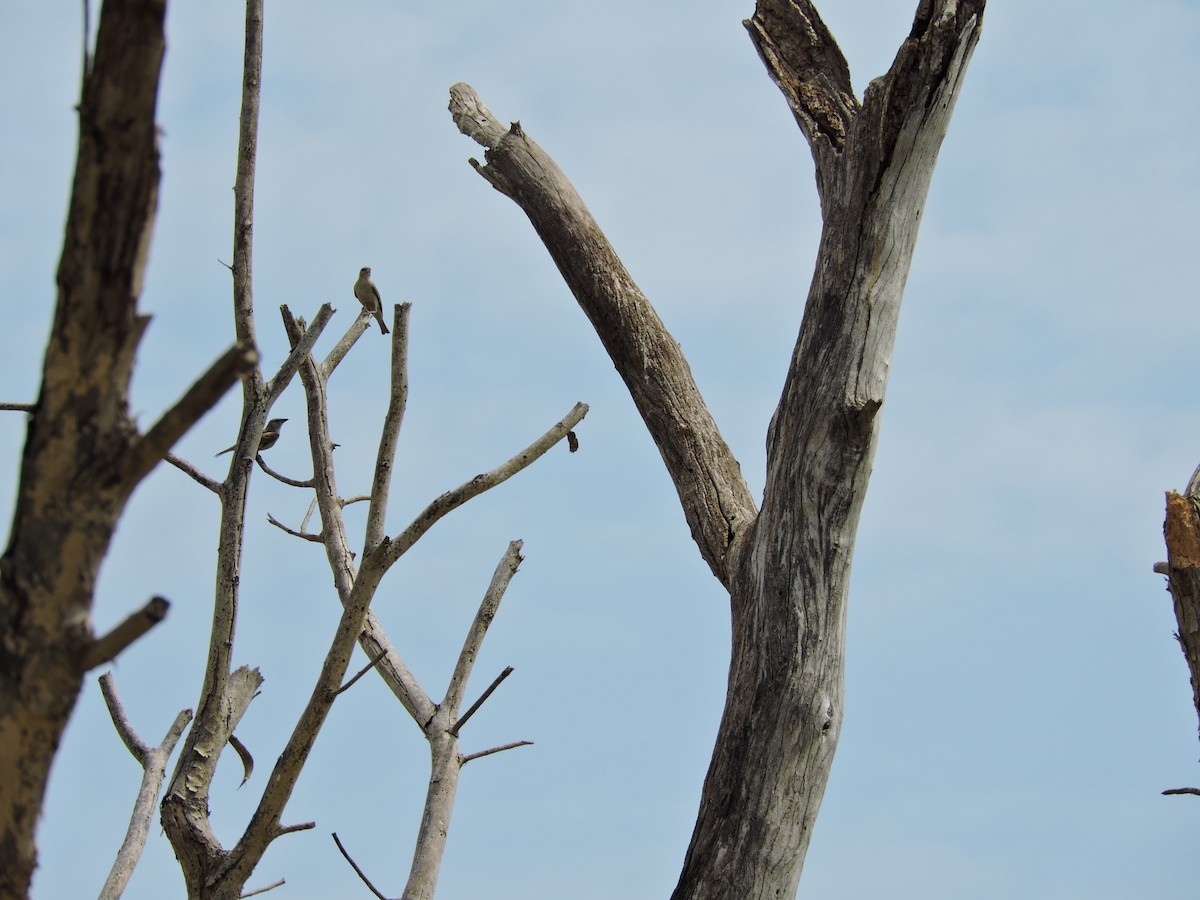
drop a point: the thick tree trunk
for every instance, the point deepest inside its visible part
(75, 473)
(786, 567)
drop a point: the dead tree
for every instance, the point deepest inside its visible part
(83, 453)
(786, 566)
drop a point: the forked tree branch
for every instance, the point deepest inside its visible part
(153, 761)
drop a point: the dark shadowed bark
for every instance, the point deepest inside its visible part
(786, 567)
(83, 454)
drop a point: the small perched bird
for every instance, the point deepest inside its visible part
(269, 436)
(368, 296)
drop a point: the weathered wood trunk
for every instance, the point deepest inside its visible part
(77, 471)
(786, 567)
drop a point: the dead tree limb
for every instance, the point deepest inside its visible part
(153, 761)
(787, 567)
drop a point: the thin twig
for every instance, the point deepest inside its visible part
(107, 646)
(478, 703)
(1183, 790)
(307, 483)
(354, 865)
(262, 890)
(192, 472)
(18, 407)
(466, 759)
(365, 669)
(304, 535)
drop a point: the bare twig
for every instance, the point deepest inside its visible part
(1183, 790)
(153, 761)
(18, 407)
(262, 890)
(482, 753)
(106, 647)
(306, 483)
(361, 874)
(305, 535)
(462, 720)
(192, 472)
(363, 671)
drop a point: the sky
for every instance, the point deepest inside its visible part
(1015, 699)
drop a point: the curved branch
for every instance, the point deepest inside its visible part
(716, 501)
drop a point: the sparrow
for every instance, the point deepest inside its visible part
(368, 296)
(269, 436)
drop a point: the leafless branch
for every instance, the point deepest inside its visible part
(505, 570)
(192, 472)
(465, 717)
(716, 502)
(452, 500)
(18, 407)
(361, 874)
(309, 340)
(390, 436)
(292, 482)
(357, 328)
(304, 535)
(482, 753)
(262, 890)
(363, 671)
(153, 761)
(106, 647)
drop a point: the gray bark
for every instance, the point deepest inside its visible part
(786, 567)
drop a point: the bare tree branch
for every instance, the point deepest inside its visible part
(262, 890)
(451, 500)
(388, 440)
(482, 753)
(363, 671)
(714, 495)
(18, 407)
(192, 472)
(106, 647)
(304, 535)
(505, 570)
(361, 874)
(471, 710)
(153, 761)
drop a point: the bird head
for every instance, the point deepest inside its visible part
(274, 424)
(364, 272)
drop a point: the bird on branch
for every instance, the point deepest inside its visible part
(368, 296)
(269, 436)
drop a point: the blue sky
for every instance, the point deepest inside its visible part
(1016, 701)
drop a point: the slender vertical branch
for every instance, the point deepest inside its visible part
(386, 457)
